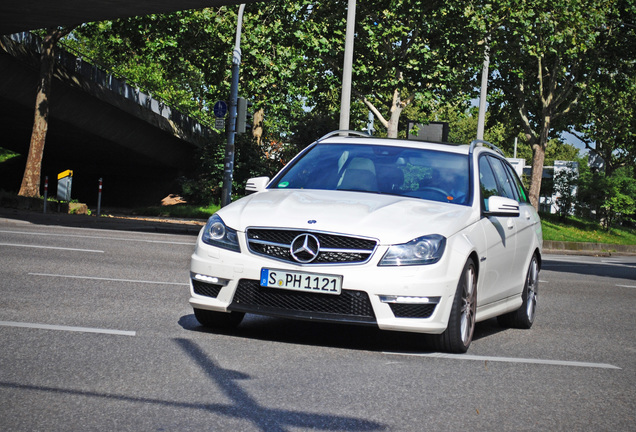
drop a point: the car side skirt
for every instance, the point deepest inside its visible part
(497, 308)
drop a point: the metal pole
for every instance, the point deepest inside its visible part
(345, 98)
(99, 199)
(228, 165)
(484, 93)
(46, 192)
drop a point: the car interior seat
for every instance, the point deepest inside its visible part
(359, 175)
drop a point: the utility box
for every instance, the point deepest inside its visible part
(64, 183)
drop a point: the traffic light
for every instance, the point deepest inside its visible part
(242, 115)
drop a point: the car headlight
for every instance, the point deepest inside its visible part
(423, 250)
(216, 233)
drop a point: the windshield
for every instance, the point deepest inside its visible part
(403, 171)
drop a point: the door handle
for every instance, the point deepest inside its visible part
(510, 224)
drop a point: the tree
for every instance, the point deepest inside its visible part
(30, 186)
(544, 54)
(610, 132)
(610, 199)
(406, 53)
(607, 116)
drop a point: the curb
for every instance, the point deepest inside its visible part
(593, 249)
(113, 222)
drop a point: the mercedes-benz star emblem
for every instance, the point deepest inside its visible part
(305, 248)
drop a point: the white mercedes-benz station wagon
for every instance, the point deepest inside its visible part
(404, 235)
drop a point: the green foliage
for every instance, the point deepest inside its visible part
(568, 61)
(565, 182)
(544, 55)
(610, 199)
(5, 155)
(611, 131)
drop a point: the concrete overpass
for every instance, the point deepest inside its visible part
(99, 126)
(22, 15)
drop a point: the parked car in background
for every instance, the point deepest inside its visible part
(404, 235)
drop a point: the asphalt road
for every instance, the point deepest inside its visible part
(96, 334)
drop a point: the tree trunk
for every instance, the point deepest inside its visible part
(394, 121)
(31, 180)
(538, 157)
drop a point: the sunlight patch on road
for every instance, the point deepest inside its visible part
(507, 360)
(67, 328)
(109, 279)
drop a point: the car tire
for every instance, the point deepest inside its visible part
(523, 318)
(461, 323)
(224, 320)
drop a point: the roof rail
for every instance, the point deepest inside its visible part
(482, 143)
(344, 133)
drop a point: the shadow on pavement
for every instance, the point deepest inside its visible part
(363, 338)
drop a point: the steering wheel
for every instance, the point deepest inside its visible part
(436, 190)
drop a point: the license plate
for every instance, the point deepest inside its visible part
(300, 281)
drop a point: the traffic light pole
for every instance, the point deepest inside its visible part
(228, 165)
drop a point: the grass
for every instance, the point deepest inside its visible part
(586, 231)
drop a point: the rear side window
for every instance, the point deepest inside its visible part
(497, 178)
(523, 196)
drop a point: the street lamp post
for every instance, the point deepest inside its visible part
(481, 119)
(228, 164)
(345, 98)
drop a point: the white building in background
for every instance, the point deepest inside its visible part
(546, 203)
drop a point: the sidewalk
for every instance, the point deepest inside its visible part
(19, 217)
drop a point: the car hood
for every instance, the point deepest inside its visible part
(391, 219)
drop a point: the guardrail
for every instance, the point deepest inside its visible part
(76, 64)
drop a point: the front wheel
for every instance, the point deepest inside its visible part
(461, 324)
(523, 318)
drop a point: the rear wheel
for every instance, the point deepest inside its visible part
(461, 324)
(523, 318)
(213, 319)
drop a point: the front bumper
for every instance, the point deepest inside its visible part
(409, 298)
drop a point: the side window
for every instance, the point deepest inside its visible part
(504, 181)
(487, 182)
(523, 196)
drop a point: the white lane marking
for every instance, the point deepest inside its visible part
(108, 279)
(51, 247)
(67, 328)
(508, 360)
(626, 286)
(98, 237)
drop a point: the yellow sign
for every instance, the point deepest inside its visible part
(67, 173)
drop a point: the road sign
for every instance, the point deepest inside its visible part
(219, 124)
(220, 109)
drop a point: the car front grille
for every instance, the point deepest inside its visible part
(349, 306)
(206, 289)
(412, 310)
(334, 248)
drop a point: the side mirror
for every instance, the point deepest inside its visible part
(256, 184)
(501, 206)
